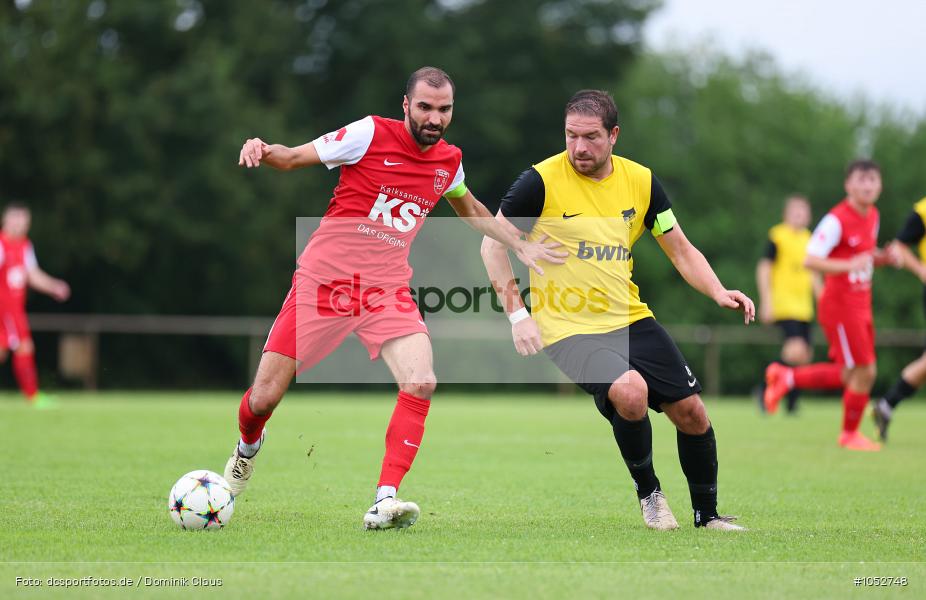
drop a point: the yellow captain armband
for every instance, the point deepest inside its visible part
(458, 191)
(664, 222)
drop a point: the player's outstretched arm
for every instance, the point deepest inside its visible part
(41, 281)
(835, 266)
(524, 330)
(903, 257)
(255, 152)
(692, 265)
(479, 218)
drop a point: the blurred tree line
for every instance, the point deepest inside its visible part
(120, 124)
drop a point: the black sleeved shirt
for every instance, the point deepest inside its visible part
(913, 229)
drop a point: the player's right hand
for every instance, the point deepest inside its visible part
(861, 262)
(252, 152)
(526, 336)
(61, 291)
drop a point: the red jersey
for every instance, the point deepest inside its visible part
(17, 258)
(386, 189)
(843, 233)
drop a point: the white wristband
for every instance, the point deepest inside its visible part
(518, 315)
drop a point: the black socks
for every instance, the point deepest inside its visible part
(698, 457)
(900, 390)
(635, 440)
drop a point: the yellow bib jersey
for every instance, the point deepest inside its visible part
(792, 282)
(597, 222)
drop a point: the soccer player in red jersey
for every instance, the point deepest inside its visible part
(19, 270)
(353, 275)
(844, 249)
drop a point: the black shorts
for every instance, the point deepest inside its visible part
(792, 328)
(594, 361)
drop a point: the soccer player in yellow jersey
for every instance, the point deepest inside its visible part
(786, 286)
(913, 375)
(586, 313)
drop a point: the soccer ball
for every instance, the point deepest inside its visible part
(201, 500)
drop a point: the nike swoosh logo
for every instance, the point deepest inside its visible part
(692, 382)
(565, 216)
(389, 163)
(408, 443)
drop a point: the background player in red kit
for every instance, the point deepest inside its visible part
(19, 270)
(844, 249)
(353, 275)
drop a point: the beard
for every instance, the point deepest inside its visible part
(425, 135)
(590, 166)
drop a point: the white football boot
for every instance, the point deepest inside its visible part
(723, 523)
(656, 512)
(390, 512)
(238, 469)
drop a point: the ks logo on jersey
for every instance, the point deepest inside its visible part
(406, 219)
(441, 177)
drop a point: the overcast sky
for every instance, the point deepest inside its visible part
(844, 46)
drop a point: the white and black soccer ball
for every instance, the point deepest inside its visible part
(201, 500)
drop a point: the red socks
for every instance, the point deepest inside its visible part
(818, 376)
(853, 407)
(403, 436)
(24, 370)
(249, 424)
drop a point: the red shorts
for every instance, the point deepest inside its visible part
(318, 314)
(14, 328)
(851, 336)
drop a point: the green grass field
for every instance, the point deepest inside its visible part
(521, 497)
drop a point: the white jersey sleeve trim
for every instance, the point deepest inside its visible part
(459, 178)
(825, 237)
(29, 258)
(347, 145)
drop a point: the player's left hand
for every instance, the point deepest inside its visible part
(530, 253)
(737, 300)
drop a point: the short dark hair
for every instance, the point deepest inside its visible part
(862, 164)
(434, 77)
(15, 205)
(594, 103)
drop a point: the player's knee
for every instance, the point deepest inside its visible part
(25, 347)
(421, 386)
(629, 395)
(796, 352)
(265, 396)
(690, 416)
(862, 377)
